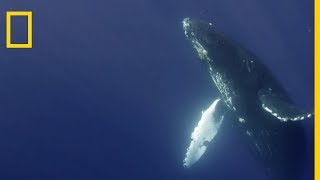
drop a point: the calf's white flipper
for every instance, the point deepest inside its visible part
(204, 132)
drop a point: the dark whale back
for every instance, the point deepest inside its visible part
(279, 145)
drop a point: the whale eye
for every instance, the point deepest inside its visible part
(219, 42)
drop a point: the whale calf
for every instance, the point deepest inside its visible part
(263, 111)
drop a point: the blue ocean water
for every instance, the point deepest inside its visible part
(112, 89)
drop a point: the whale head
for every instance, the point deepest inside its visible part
(211, 46)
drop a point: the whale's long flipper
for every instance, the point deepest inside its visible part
(280, 108)
(205, 131)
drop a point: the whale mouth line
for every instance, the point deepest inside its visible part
(201, 51)
(186, 27)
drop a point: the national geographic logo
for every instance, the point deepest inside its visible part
(9, 16)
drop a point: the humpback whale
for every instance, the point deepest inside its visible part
(261, 108)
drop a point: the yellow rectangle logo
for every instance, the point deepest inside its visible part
(19, 13)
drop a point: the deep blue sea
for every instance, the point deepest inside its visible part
(112, 89)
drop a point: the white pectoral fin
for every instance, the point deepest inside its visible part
(280, 108)
(204, 132)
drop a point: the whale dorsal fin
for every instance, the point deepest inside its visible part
(280, 107)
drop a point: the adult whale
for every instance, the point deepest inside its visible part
(264, 112)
